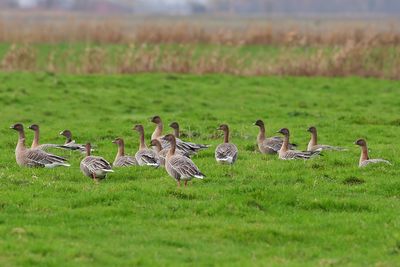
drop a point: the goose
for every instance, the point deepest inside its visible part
(121, 160)
(286, 154)
(162, 153)
(94, 167)
(226, 152)
(313, 144)
(188, 147)
(28, 157)
(364, 158)
(35, 142)
(269, 145)
(145, 156)
(180, 167)
(174, 125)
(70, 144)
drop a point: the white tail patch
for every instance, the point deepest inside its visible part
(199, 176)
(53, 165)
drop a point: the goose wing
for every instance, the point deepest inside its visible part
(125, 161)
(226, 152)
(74, 146)
(327, 148)
(185, 167)
(47, 146)
(93, 164)
(187, 147)
(40, 158)
(147, 157)
(275, 143)
(373, 161)
(296, 154)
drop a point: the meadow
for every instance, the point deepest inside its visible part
(260, 212)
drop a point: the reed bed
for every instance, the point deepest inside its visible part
(352, 59)
(111, 45)
(116, 31)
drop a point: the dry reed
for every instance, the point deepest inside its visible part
(352, 59)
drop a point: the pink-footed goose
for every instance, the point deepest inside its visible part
(29, 157)
(35, 142)
(145, 156)
(314, 146)
(179, 167)
(71, 144)
(364, 158)
(187, 147)
(269, 145)
(121, 160)
(94, 167)
(226, 152)
(162, 152)
(287, 154)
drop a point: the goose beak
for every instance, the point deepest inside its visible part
(61, 133)
(11, 127)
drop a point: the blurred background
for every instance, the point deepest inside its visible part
(233, 7)
(241, 37)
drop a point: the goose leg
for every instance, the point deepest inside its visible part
(179, 183)
(95, 179)
(186, 183)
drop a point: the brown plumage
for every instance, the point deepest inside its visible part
(364, 158)
(174, 125)
(187, 147)
(287, 154)
(121, 160)
(93, 166)
(180, 167)
(35, 142)
(145, 156)
(162, 152)
(71, 144)
(314, 146)
(226, 152)
(269, 145)
(34, 157)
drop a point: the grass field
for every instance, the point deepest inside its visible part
(260, 212)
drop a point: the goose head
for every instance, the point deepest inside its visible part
(155, 143)
(223, 127)
(259, 123)
(66, 133)
(34, 127)
(284, 131)
(156, 119)
(118, 141)
(360, 142)
(18, 127)
(312, 129)
(169, 138)
(174, 125)
(138, 127)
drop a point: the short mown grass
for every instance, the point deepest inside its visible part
(262, 211)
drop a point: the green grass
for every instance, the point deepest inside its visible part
(262, 211)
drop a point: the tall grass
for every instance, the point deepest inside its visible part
(117, 45)
(120, 31)
(352, 59)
